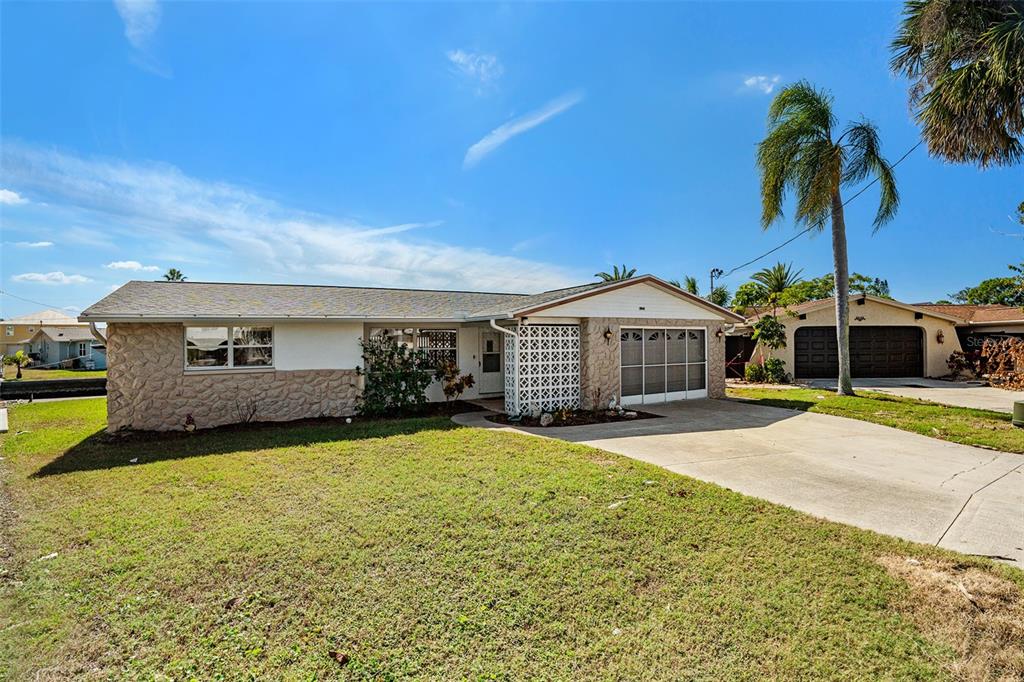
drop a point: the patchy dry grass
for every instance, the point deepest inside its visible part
(969, 426)
(415, 550)
(978, 613)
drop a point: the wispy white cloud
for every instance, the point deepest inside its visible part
(133, 265)
(169, 212)
(764, 84)
(50, 278)
(34, 245)
(480, 68)
(11, 198)
(518, 126)
(141, 19)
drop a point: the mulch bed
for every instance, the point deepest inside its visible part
(577, 418)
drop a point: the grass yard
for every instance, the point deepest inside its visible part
(414, 549)
(30, 374)
(957, 424)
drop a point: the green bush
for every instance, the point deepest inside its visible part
(397, 377)
(775, 371)
(754, 373)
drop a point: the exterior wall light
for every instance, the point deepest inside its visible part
(940, 337)
(608, 335)
(719, 333)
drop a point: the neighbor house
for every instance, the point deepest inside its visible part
(66, 347)
(981, 322)
(214, 352)
(18, 331)
(887, 338)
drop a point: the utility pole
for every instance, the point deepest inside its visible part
(715, 272)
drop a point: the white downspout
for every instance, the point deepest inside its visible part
(97, 334)
(515, 367)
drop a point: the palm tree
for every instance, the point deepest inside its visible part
(174, 275)
(777, 279)
(720, 296)
(966, 64)
(800, 153)
(616, 274)
(689, 285)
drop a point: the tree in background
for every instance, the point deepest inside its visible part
(801, 153)
(966, 62)
(616, 275)
(720, 295)
(19, 360)
(174, 275)
(996, 290)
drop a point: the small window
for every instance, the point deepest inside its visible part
(82, 350)
(10, 330)
(206, 346)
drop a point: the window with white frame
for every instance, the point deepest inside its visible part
(82, 349)
(228, 347)
(440, 345)
(10, 330)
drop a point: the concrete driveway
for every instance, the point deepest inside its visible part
(914, 487)
(961, 393)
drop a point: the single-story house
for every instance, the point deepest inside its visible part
(980, 322)
(887, 338)
(73, 347)
(216, 351)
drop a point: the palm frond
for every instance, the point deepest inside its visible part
(865, 160)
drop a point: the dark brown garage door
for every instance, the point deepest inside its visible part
(874, 352)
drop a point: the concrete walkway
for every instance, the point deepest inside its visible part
(961, 393)
(875, 477)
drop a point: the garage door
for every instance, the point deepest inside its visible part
(874, 352)
(663, 364)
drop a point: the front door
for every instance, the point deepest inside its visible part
(491, 376)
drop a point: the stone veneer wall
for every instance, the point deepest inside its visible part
(599, 359)
(148, 388)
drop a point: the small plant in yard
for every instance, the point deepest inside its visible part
(397, 377)
(453, 383)
(19, 360)
(754, 373)
(959, 363)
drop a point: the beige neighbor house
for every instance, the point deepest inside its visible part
(887, 338)
(216, 352)
(18, 331)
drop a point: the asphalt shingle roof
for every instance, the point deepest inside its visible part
(189, 300)
(77, 333)
(977, 313)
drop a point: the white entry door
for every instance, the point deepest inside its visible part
(663, 364)
(492, 378)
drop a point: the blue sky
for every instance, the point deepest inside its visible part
(507, 147)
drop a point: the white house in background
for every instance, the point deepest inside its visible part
(209, 351)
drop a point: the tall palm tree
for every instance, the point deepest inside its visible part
(801, 153)
(174, 275)
(777, 279)
(616, 275)
(966, 64)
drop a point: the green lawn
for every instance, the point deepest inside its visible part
(957, 424)
(414, 549)
(30, 374)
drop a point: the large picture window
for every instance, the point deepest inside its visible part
(440, 345)
(228, 347)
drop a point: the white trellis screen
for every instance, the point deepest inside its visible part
(542, 368)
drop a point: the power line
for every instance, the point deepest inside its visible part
(818, 225)
(29, 300)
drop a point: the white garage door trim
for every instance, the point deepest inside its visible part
(674, 374)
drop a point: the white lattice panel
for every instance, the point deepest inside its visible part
(545, 368)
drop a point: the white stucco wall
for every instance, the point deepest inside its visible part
(639, 300)
(317, 345)
(875, 314)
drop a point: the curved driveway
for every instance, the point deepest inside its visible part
(923, 489)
